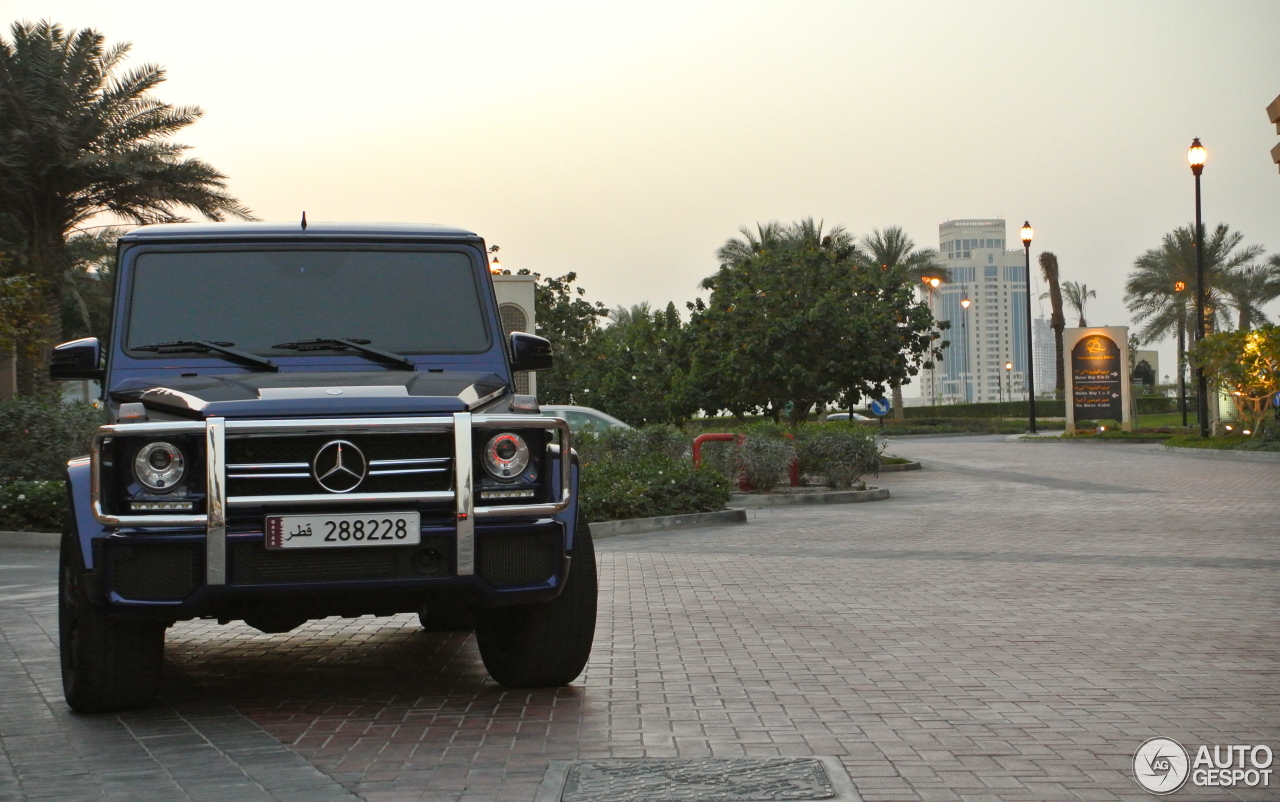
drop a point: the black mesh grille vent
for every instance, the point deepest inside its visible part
(165, 571)
(517, 559)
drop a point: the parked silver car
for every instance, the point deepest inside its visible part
(580, 418)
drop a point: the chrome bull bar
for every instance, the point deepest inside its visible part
(216, 430)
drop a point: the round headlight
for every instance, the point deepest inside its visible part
(506, 456)
(159, 466)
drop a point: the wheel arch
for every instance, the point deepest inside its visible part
(84, 528)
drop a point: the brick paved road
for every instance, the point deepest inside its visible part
(1011, 625)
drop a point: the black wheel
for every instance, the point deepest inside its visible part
(107, 663)
(547, 644)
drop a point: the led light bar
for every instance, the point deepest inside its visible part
(143, 506)
(490, 494)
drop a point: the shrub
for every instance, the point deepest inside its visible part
(33, 506)
(37, 439)
(642, 473)
(843, 454)
(764, 455)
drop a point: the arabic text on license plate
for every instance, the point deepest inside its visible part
(353, 529)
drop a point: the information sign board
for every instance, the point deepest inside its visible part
(1096, 376)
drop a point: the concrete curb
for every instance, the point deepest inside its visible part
(640, 526)
(1092, 441)
(782, 499)
(904, 466)
(30, 540)
(1226, 453)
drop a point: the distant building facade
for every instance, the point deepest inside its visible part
(1046, 360)
(981, 267)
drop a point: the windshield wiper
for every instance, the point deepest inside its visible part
(357, 345)
(221, 348)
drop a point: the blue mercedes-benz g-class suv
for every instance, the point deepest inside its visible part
(310, 422)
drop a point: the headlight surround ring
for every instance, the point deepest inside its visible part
(159, 466)
(506, 455)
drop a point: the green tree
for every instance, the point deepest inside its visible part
(637, 369)
(21, 312)
(566, 318)
(1057, 320)
(1246, 363)
(796, 317)
(1077, 295)
(81, 137)
(892, 247)
(90, 284)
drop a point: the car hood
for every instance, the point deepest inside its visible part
(283, 395)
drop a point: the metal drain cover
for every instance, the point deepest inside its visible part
(701, 779)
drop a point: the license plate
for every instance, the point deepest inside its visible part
(345, 529)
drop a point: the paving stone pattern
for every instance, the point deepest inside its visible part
(1011, 625)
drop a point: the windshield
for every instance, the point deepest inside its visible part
(406, 302)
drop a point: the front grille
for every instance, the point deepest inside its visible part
(517, 558)
(282, 464)
(159, 572)
(254, 564)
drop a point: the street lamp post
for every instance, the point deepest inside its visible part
(964, 335)
(932, 284)
(1008, 380)
(1196, 157)
(1027, 233)
(1181, 286)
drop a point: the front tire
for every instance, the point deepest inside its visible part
(108, 663)
(547, 644)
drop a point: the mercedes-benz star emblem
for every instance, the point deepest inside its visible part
(339, 466)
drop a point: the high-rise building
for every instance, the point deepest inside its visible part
(1046, 356)
(992, 276)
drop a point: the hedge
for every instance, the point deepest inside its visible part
(37, 439)
(1046, 407)
(32, 506)
(644, 473)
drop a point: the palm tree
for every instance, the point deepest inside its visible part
(1251, 288)
(1152, 293)
(737, 251)
(892, 247)
(79, 137)
(1057, 321)
(624, 316)
(1160, 291)
(1077, 295)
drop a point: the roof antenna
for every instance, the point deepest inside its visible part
(304, 221)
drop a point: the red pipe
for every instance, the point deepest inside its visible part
(705, 438)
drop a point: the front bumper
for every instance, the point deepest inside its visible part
(161, 576)
(184, 566)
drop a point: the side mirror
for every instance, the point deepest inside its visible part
(77, 359)
(530, 352)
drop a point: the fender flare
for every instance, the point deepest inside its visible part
(86, 528)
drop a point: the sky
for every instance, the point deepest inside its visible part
(626, 142)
